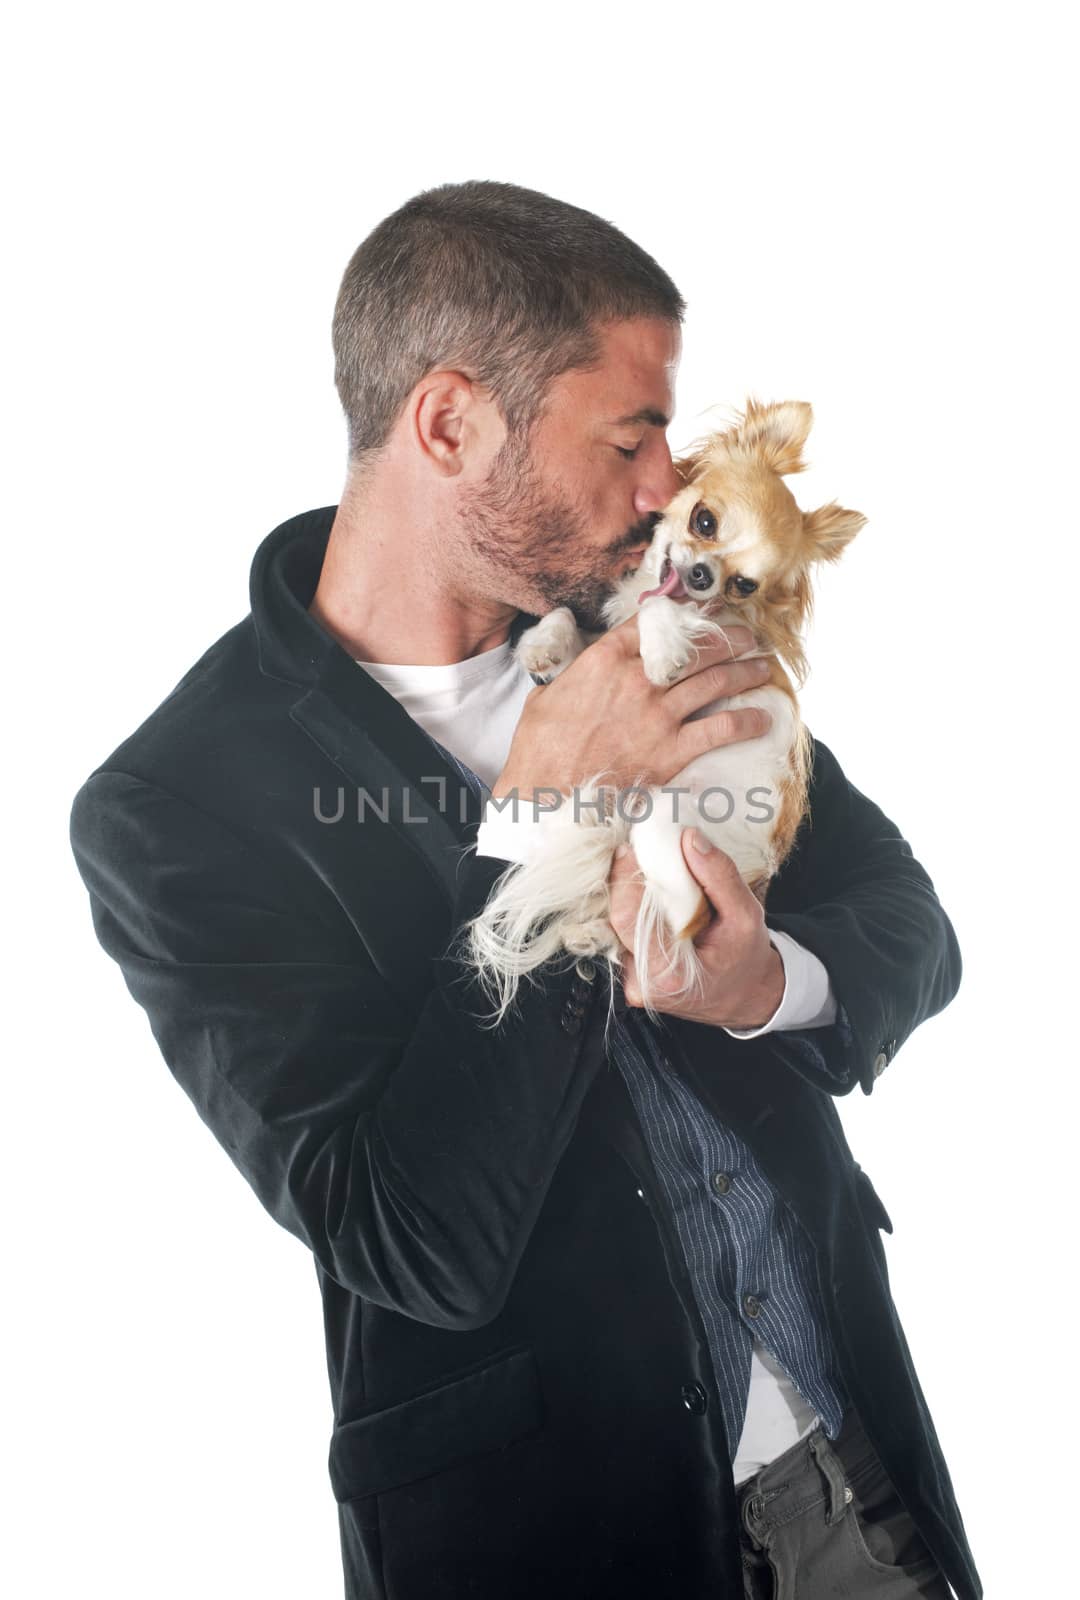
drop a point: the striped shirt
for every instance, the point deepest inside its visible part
(750, 1261)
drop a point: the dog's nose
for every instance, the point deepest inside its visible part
(699, 577)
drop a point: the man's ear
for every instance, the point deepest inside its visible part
(449, 413)
(829, 530)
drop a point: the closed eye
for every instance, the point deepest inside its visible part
(628, 455)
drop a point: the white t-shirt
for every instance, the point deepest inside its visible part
(472, 708)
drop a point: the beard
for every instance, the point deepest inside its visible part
(536, 541)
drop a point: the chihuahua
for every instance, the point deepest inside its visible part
(732, 546)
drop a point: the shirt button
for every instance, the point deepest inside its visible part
(752, 1305)
(586, 969)
(695, 1399)
(571, 1021)
(881, 1061)
(721, 1182)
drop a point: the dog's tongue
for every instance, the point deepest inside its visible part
(672, 584)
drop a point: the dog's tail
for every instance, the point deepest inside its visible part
(681, 963)
(556, 902)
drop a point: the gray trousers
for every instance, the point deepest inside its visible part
(823, 1520)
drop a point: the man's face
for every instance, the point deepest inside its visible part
(561, 518)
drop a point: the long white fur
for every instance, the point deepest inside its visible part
(556, 903)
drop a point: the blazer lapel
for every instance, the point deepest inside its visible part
(418, 815)
(391, 763)
(355, 721)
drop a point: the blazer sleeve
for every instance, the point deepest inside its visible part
(852, 892)
(411, 1153)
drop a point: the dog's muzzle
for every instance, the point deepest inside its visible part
(699, 579)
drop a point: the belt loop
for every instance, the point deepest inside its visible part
(840, 1495)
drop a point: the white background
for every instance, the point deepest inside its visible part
(866, 207)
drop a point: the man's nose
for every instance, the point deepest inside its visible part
(659, 488)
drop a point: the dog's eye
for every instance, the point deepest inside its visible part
(702, 521)
(742, 586)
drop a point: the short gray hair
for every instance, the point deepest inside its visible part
(506, 283)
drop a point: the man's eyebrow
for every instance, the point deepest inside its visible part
(646, 414)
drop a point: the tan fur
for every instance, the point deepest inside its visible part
(724, 471)
(698, 922)
(738, 474)
(793, 799)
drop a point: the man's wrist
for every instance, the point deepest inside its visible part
(762, 1004)
(507, 788)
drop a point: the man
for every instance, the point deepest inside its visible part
(605, 1316)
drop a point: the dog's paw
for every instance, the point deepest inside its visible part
(663, 666)
(544, 650)
(666, 633)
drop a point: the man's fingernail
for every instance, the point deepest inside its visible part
(621, 851)
(701, 842)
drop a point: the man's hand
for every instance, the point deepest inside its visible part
(743, 972)
(603, 715)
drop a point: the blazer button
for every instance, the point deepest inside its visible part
(752, 1305)
(695, 1399)
(721, 1182)
(881, 1061)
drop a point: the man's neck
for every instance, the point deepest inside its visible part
(384, 597)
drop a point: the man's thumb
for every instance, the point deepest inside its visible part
(712, 867)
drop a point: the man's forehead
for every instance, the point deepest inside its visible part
(633, 383)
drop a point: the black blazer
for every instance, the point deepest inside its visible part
(509, 1324)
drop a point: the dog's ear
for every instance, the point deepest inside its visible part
(686, 466)
(829, 530)
(775, 433)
